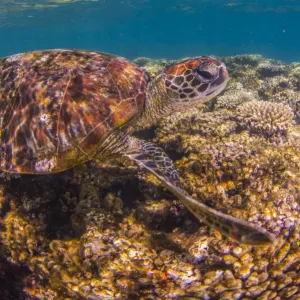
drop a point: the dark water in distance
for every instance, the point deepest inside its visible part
(153, 28)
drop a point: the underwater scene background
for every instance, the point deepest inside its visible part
(108, 230)
(158, 29)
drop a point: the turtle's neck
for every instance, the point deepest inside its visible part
(158, 103)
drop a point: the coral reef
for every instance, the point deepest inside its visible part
(192, 125)
(294, 76)
(233, 98)
(243, 60)
(153, 66)
(290, 98)
(266, 118)
(109, 231)
(274, 85)
(269, 68)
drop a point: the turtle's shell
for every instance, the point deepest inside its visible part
(57, 105)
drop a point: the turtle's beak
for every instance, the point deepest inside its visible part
(222, 78)
(223, 73)
(220, 83)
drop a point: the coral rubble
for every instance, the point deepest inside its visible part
(110, 231)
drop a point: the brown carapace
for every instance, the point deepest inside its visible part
(56, 106)
(60, 108)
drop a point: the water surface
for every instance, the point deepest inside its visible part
(154, 28)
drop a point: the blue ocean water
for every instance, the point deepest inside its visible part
(153, 28)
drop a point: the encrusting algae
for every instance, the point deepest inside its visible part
(109, 231)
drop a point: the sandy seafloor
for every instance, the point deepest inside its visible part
(110, 231)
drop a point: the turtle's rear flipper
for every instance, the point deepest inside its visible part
(154, 159)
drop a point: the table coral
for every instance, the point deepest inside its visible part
(109, 231)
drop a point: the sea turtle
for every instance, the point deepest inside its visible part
(60, 108)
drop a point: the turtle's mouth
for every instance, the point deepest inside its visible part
(220, 82)
(210, 93)
(216, 92)
(222, 77)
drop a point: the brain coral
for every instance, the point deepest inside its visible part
(290, 98)
(266, 118)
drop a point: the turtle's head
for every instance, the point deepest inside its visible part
(194, 80)
(182, 86)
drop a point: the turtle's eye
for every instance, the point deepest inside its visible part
(207, 72)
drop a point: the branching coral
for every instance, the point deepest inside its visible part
(290, 98)
(233, 98)
(265, 118)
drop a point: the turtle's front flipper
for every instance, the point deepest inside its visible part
(153, 158)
